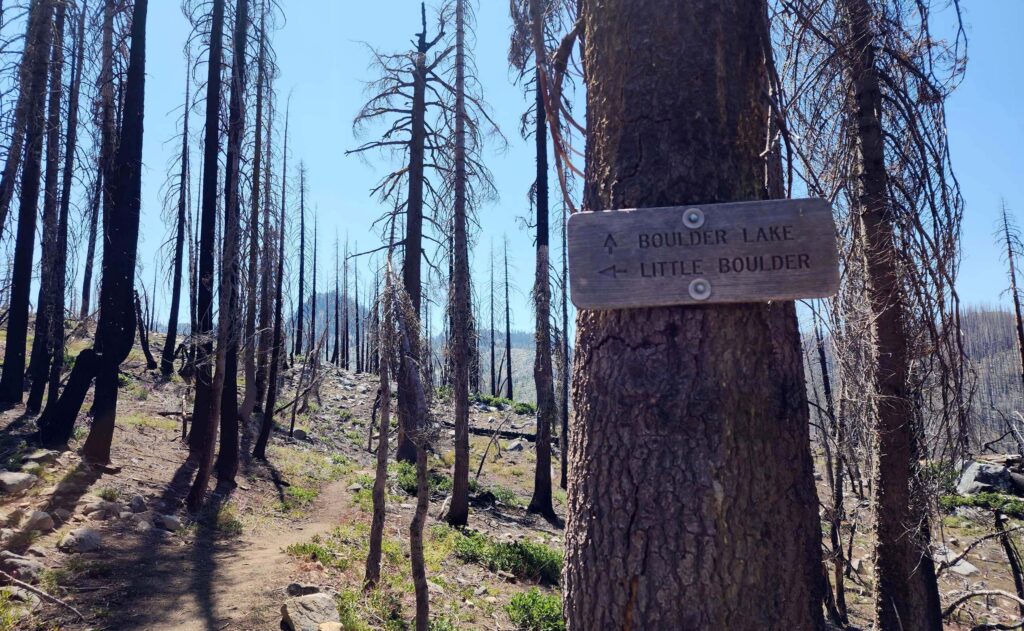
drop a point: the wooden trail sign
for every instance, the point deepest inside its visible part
(703, 254)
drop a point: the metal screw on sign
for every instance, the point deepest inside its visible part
(700, 289)
(693, 218)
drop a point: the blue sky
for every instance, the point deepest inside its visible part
(324, 63)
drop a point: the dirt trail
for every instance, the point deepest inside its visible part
(225, 585)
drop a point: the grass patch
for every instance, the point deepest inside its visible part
(10, 612)
(1009, 505)
(406, 479)
(156, 422)
(108, 493)
(536, 611)
(296, 499)
(524, 559)
(507, 496)
(227, 521)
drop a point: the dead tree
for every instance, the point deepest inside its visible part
(300, 319)
(508, 334)
(277, 352)
(143, 334)
(116, 328)
(228, 326)
(34, 74)
(170, 343)
(46, 317)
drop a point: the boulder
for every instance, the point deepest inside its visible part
(137, 504)
(16, 482)
(22, 568)
(42, 456)
(32, 467)
(168, 522)
(983, 477)
(102, 509)
(516, 445)
(300, 435)
(81, 540)
(307, 613)
(39, 521)
(963, 568)
(301, 589)
(21, 595)
(62, 515)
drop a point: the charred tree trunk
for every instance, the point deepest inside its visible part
(906, 594)
(297, 344)
(380, 480)
(564, 407)
(228, 328)
(170, 344)
(252, 280)
(144, 334)
(686, 417)
(1011, 260)
(494, 366)
(277, 350)
(508, 334)
(312, 306)
(34, 73)
(60, 271)
(116, 327)
(458, 510)
(344, 316)
(206, 405)
(46, 318)
(541, 502)
(266, 323)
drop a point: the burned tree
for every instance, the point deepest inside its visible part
(34, 74)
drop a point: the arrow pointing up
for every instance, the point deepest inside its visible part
(610, 243)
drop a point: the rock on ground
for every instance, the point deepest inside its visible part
(20, 567)
(307, 613)
(982, 477)
(40, 521)
(81, 540)
(15, 482)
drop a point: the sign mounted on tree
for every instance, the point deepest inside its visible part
(703, 254)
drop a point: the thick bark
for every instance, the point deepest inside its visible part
(170, 343)
(116, 327)
(543, 377)
(277, 352)
(906, 593)
(458, 510)
(46, 317)
(228, 328)
(691, 490)
(34, 71)
(564, 407)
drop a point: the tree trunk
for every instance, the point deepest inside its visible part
(252, 281)
(228, 328)
(381, 473)
(278, 351)
(312, 306)
(691, 487)
(458, 510)
(167, 357)
(906, 594)
(564, 407)
(266, 323)
(204, 429)
(116, 327)
(34, 73)
(46, 318)
(143, 334)
(297, 344)
(1018, 320)
(508, 334)
(543, 378)
(60, 272)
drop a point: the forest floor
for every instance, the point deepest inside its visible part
(303, 517)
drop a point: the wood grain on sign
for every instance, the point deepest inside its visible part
(702, 254)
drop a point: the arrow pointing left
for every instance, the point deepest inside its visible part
(612, 271)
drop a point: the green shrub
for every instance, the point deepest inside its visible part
(536, 611)
(1011, 506)
(444, 623)
(941, 476)
(524, 559)
(436, 482)
(524, 408)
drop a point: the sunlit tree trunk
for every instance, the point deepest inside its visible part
(691, 490)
